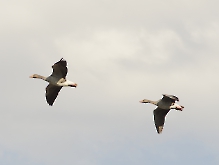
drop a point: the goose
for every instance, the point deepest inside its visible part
(164, 105)
(56, 80)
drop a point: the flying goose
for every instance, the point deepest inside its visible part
(163, 107)
(56, 80)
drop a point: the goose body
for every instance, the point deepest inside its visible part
(56, 80)
(164, 105)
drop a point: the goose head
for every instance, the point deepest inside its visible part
(145, 101)
(34, 76)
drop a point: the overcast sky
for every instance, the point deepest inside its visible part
(118, 52)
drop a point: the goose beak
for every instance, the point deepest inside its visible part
(141, 101)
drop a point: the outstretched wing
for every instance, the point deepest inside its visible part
(159, 118)
(60, 69)
(169, 98)
(52, 92)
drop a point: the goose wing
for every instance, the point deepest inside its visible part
(60, 69)
(52, 92)
(169, 98)
(159, 118)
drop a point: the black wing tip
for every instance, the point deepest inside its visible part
(62, 59)
(62, 62)
(50, 103)
(173, 97)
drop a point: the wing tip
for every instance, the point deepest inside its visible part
(171, 97)
(61, 62)
(49, 102)
(62, 59)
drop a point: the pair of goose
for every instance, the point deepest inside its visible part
(57, 80)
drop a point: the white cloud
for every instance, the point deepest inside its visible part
(118, 52)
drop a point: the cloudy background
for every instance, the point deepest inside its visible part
(118, 52)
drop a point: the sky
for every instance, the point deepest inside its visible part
(118, 52)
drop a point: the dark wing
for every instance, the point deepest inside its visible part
(170, 98)
(60, 69)
(52, 92)
(159, 118)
